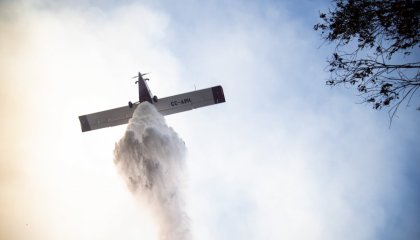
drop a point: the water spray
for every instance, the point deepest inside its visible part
(151, 157)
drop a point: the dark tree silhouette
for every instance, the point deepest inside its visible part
(377, 49)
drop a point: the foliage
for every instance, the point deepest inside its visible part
(387, 34)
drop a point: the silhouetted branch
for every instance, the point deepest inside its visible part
(381, 29)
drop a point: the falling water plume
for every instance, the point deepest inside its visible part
(151, 157)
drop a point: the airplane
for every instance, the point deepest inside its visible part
(168, 105)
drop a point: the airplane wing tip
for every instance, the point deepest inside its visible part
(218, 95)
(84, 123)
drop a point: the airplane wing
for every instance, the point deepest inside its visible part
(168, 105)
(190, 100)
(108, 118)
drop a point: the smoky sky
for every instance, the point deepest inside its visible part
(284, 157)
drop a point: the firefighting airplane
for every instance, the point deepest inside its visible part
(168, 105)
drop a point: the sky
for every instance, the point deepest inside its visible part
(286, 157)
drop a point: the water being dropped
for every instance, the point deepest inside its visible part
(151, 158)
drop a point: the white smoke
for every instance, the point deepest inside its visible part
(150, 157)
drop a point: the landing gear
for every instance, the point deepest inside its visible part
(155, 99)
(130, 104)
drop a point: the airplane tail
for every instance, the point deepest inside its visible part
(144, 91)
